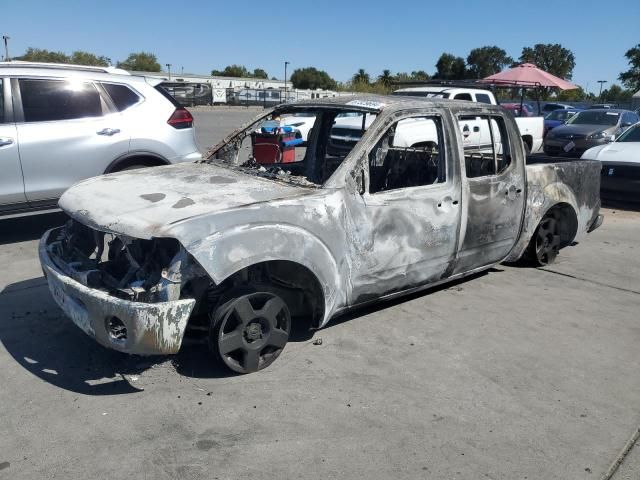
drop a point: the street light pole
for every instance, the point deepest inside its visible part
(168, 65)
(601, 82)
(6, 38)
(285, 81)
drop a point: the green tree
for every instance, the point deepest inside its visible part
(259, 73)
(85, 58)
(141, 62)
(42, 55)
(419, 75)
(485, 61)
(361, 76)
(450, 67)
(312, 78)
(616, 94)
(631, 78)
(416, 75)
(550, 57)
(238, 71)
(386, 78)
(574, 95)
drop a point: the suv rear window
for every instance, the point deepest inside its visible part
(123, 97)
(46, 100)
(168, 96)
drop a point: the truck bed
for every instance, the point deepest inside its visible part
(552, 181)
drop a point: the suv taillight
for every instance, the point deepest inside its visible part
(181, 118)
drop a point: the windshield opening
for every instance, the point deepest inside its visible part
(561, 115)
(631, 135)
(303, 146)
(595, 117)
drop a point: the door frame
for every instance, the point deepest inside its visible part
(452, 185)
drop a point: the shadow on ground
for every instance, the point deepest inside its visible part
(40, 338)
(621, 204)
(22, 229)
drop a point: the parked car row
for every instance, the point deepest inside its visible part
(586, 129)
(61, 124)
(620, 176)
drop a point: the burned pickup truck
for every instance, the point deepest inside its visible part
(271, 229)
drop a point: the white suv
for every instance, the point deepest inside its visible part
(60, 124)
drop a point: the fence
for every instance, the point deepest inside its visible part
(270, 97)
(192, 94)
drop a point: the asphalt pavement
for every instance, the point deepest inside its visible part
(518, 373)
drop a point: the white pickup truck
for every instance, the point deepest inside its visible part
(531, 128)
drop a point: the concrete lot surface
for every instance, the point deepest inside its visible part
(519, 373)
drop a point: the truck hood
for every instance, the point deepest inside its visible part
(146, 203)
(616, 152)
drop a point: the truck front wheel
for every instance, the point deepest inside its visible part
(249, 330)
(545, 243)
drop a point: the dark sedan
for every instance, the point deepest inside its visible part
(558, 117)
(588, 129)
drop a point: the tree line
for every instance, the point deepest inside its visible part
(480, 63)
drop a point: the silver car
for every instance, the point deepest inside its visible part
(587, 129)
(60, 124)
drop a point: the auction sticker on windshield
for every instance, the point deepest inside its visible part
(366, 104)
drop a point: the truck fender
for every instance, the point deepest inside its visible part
(539, 202)
(226, 253)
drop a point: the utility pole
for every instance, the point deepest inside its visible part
(168, 65)
(601, 82)
(6, 38)
(285, 81)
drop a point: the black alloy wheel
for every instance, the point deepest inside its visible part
(248, 332)
(546, 241)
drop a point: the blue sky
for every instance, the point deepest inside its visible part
(337, 36)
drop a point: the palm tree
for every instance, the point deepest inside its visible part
(386, 78)
(361, 77)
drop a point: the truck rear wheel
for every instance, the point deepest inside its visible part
(545, 244)
(249, 330)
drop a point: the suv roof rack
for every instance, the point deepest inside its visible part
(443, 83)
(477, 84)
(62, 66)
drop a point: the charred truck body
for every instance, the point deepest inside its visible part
(236, 250)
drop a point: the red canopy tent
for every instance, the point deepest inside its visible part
(528, 75)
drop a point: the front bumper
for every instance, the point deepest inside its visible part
(555, 146)
(150, 328)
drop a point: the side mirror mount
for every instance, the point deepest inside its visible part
(610, 138)
(360, 182)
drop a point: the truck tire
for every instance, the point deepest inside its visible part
(545, 243)
(249, 329)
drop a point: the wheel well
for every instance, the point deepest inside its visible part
(294, 282)
(567, 220)
(146, 160)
